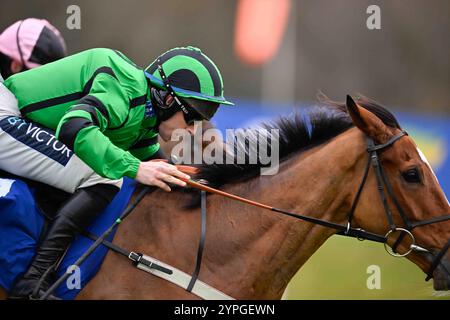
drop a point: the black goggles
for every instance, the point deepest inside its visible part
(190, 115)
(166, 101)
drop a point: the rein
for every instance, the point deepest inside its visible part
(351, 232)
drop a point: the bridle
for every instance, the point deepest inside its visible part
(384, 188)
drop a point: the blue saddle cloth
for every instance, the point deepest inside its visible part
(21, 224)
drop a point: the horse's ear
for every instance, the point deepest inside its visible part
(368, 122)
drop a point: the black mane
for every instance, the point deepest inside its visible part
(298, 132)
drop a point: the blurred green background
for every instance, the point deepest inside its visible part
(338, 270)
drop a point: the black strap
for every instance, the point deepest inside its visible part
(376, 165)
(430, 221)
(391, 194)
(437, 260)
(358, 194)
(372, 147)
(201, 244)
(133, 256)
(398, 241)
(361, 234)
(350, 232)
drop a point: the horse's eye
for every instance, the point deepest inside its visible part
(412, 176)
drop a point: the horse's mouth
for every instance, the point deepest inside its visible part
(441, 276)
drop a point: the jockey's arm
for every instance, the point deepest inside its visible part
(147, 147)
(81, 129)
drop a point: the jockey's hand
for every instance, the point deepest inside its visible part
(155, 173)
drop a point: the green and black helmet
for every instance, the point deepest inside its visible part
(191, 78)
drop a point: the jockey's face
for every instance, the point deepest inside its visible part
(177, 121)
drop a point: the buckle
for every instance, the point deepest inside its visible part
(136, 257)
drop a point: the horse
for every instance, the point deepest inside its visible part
(252, 253)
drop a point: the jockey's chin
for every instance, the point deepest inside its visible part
(177, 121)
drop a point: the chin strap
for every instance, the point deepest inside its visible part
(158, 102)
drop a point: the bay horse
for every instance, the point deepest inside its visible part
(252, 253)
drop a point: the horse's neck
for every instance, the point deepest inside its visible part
(271, 247)
(253, 253)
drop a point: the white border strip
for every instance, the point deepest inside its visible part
(182, 280)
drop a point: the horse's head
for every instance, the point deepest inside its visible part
(415, 200)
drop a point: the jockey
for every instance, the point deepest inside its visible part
(106, 113)
(29, 43)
